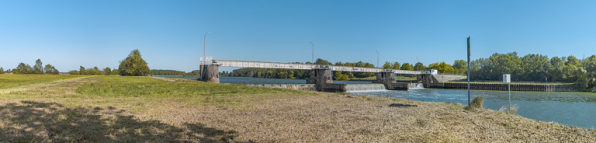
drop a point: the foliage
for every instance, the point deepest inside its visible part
(419, 66)
(536, 67)
(460, 67)
(339, 76)
(387, 65)
(49, 69)
(107, 71)
(134, 65)
(406, 66)
(396, 65)
(74, 72)
(174, 72)
(476, 103)
(1, 70)
(38, 68)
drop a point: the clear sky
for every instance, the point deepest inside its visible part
(169, 34)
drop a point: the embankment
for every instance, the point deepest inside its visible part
(504, 87)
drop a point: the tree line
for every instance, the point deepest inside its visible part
(133, 65)
(38, 68)
(160, 72)
(94, 71)
(537, 67)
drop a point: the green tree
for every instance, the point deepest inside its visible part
(115, 72)
(322, 62)
(419, 66)
(73, 72)
(23, 68)
(1, 70)
(134, 65)
(38, 68)
(49, 69)
(396, 65)
(81, 70)
(387, 65)
(107, 71)
(407, 66)
(460, 66)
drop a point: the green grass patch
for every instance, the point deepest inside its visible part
(128, 86)
(16, 80)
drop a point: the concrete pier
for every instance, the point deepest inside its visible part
(322, 78)
(210, 73)
(388, 79)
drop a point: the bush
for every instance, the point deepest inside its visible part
(476, 103)
(134, 65)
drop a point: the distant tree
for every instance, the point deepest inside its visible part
(74, 72)
(195, 72)
(23, 68)
(81, 70)
(460, 66)
(322, 62)
(134, 65)
(396, 65)
(339, 76)
(1, 70)
(49, 69)
(419, 66)
(38, 68)
(115, 72)
(387, 65)
(107, 71)
(407, 66)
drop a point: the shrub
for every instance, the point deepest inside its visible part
(476, 103)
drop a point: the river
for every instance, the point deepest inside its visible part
(569, 108)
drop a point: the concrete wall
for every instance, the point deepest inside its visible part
(444, 78)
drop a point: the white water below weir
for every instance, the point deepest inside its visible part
(364, 87)
(416, 86)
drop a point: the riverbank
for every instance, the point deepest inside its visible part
(544, 87)
(146, 109)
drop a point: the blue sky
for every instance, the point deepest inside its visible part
(169, 34)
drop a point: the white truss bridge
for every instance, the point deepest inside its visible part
(274, 65)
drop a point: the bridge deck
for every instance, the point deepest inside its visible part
(273, 65)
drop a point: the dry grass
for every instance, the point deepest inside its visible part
(266, 116)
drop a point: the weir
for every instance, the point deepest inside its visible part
(320, 75)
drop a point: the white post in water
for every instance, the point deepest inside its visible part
(507, 79)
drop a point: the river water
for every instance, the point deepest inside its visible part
(569, 108)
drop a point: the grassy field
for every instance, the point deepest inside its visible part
(148, 109)
(10, 80)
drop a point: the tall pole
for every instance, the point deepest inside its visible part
(468, 71)
(377, 58)
(313, 53)
(509, 89)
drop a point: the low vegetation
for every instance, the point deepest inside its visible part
(13, 80)
(149, 109)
